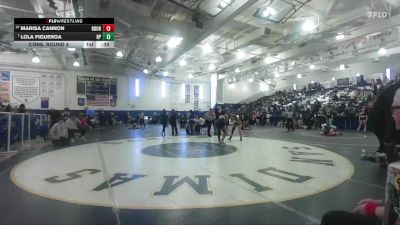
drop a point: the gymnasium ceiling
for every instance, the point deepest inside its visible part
(235, 37)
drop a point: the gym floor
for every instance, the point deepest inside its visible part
(122, 176)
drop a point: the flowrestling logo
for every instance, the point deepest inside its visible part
(378, 13)
(195, 172)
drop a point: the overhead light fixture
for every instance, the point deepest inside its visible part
(71, 49)
(269, 60)
(174, 41)
(165, 73)
(146, 71)
(312, 67)
(211, 67)
(76, 64)
(342, 67)
(158, 59)
(251, 80)
(182, 62)
(224, 3)
(339, 36)
(333, 78)
(269, 11)
(35, 59)
(308, 25)
(382, 51)
(276, 74)
(357, 75)
(312, 81)
(190, 75)
(119, 54)
(206, 48)
(299, 75)
(240, 54)
(237, 70)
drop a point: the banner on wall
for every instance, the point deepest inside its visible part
(196, 97)
(25, 89)
(81, 101)
(44, 102)
(5, 87)
(187, 93)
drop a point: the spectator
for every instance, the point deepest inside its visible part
(210, 117)
(59, 133)
(164, 121)
(172, 121)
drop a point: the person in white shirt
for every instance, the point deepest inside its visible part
(72, 125)
(59, 133)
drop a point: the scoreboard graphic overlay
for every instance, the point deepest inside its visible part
(64, 32)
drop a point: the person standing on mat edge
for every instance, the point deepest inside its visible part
(172, 121)
(221, 127)
(216, 113)
(237, 122)
(289, 120)
(210, 117)
(164, 121)
(141, 120)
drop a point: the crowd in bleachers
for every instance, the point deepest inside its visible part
(315, 106)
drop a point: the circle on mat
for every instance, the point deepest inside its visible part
(189, 150)
(257, 171)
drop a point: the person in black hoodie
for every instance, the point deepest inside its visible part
(172, 121)
(381, 123)
(164, 121)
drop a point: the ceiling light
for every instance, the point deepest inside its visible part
(308, 25)
(71, 49)
(76, 64)
(35, 59)
(276, 74)
(299, 75)
(240, 54)
(165, 73)
(333, 78)
(174, 41)
(237, 70)
(158, 59)
(269, 60)
(312, 81)
(251, 80)
(182, 62)
(269, 11)
(312, 67)
(342, 67)
(146, 71)
(382, 51)
(224, 3)
(206, 48)
(339, 36)
(358, 74)
(211, 67)
(119, 54)
(190, 76)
